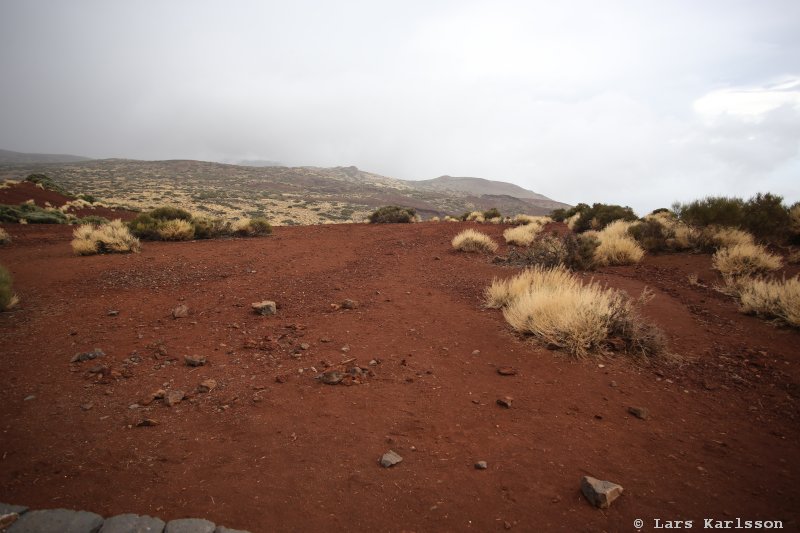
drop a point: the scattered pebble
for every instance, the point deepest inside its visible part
(194, 360)
(146, 422)
(505, 402)
(600, 493)
(87, 356)
(639, 412)
(350, 304)
(613, 384)
(265, 307)
(113, 312)
(481, 465)
(507, 371)
(30, 397)
(180, 312)
(173, 397)
(86, 406)
(207, 385)
(331, 377)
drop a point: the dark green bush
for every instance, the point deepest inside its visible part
(712, 210)
(255, 227)
(145, 227)
(650, 235)
(210, 228)
(170, 213)
(393, 214)
(88, 198)
(94, 220)
(599, 216)
(492, 213)
(560, 215)
(766, 217)
(47, 183)
(573, 251)
(32, 214)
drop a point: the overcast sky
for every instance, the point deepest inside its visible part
(634, 102)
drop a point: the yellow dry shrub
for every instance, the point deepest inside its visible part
(745, 260)
(434, 219)
(495, 220)
(725, 237)
(771, 299)
(4, 236)
(522, 235)
(176, 230)
(616, 246)
(473, 241)
(529, 219)
(448, 218)
(571, 221)
(475, 216)
(113, 237)
(502, 291)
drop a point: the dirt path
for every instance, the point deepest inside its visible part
(254, 453)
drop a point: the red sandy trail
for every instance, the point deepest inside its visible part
(294, 454)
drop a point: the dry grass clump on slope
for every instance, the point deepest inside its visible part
(176, 230)
(771, 298)
(555, 307)
(522, 235)
(616, 246)
(745, 260)
(5, 238)
(113, 237)
(473, 241)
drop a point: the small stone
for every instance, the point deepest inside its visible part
(345, 348)
(7, 519)
(349, 304)
(194, 360)
(373, 362)
(174, 397)
(505, 402)
(146, 422)
(113, 312)
(305, 346)
(190, 525)
(331, 377)
(507, 371)
(639, 412)
(86, 406)
(324, 339)
(476, 352)
(600, 493)
(265, 308)
(29, 398)
(180, 312)
(207, 385)
(390, 458)
(481, 465)
(87, 356)
(613, 384)
(281, 378)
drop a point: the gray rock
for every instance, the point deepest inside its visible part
(87, 356)
(57, 521)
(7, 519)
(505, 402)
(390, 458)
(182, 311)
(6, 508)
(639, 412)
(332, 377)
(194, 360)
(221, 529)
(600, 493)
(350, 304)
(266, 307)
(132, 523)
(29, 398)
(190, 525)
(174, 397)
(481, 465)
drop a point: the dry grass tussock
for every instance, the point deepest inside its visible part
(522, 235)
(474, 241)
(724, 237)
(5, 238)
(529, 219)
(113, 237)
(475, 216)
(448, 218)
(616, 246)
(555, 307)
(8, 299)
(571, 221)
(176, 230)
(771, 298)
(745, 260)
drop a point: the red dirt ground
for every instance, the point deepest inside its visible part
(721, 441)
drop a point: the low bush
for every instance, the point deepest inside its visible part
(5, 238)
(599, 216)
(745, 260)
(651, 235)
(715, 237)
(492, 213)
(252, 227)
(474, 216)
(32, 214)
(393, 214)
(572, 251)
(170, 213)
(616, 246)
(175, 229)
(95, 220)
(553, 306)
(113, 237)
(7, 297)
(794, 223)
(712, 210)
(561, 215)
(47, 183)
(771, 299)
(211, 228)
(474, 241)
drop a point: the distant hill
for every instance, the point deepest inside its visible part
(479, 187)
(285, 195)
(21, 158)
(251, 162)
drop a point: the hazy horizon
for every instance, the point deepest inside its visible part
(639, 103)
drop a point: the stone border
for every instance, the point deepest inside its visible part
(18, 519)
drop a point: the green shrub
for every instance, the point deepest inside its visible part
(712, 210)
(47, 183)
(599, 216)
(252, 227)
(766, 217)
(32, 214)
(491, 213)
(94, 220)
(210, 228)
(7, 297)
(650, 234)
(560, 215)
(550, 250)
(145, 227)
(88, 198)
(170, 213)
(391, 214)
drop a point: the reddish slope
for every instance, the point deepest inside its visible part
(721, 440)
(22, 192)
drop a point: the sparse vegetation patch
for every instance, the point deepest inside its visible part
(474, 241)
(113, 237)
(745, 260)
(393, 214)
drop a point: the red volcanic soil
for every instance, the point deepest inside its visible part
(24, 191)
(273, 449)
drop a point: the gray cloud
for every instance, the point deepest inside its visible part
(627, 101)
